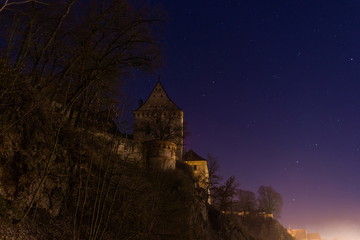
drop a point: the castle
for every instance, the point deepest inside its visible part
(158, 140)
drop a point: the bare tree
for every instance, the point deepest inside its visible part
(163, 126)
(166, 125)
(223, 195)
(269, 200)
(60, 62)
(76, 54)
(213, 166)
(7, 3)
(211, 178)
(246, 201)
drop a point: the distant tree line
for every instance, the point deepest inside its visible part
(227, 197)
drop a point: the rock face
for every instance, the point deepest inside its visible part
(126, 199)
(59, 181)
(35, 163)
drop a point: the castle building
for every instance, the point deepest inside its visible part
(160, 119)
(159, 127)
(199, 166)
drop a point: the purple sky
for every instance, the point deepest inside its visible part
(272, 89)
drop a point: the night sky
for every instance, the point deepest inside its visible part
(272, 89)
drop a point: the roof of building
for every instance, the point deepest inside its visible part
(192, 156)
(158, 100)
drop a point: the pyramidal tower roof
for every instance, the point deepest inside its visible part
(192, 156)
(158, 100)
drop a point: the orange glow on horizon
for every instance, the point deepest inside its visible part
(340, 230)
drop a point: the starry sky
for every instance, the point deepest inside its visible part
(272, 89)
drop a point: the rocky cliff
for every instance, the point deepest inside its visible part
(59, 180)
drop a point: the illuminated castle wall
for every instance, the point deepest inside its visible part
(159, 127)
(159, 124)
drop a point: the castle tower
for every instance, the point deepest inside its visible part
(160, 119)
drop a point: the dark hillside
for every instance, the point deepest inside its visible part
(62, 181)
(63, 174)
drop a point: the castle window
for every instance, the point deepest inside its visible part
(195, 167)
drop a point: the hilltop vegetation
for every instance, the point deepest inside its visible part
(60, 178)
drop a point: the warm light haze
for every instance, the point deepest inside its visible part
(340, 231)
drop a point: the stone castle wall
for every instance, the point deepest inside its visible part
(164, 125)
(155, 154)
(160, 154)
